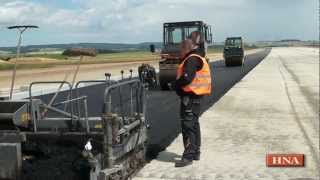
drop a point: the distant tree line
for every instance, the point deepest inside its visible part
(80, 51)
(74, 52)
(106, 51)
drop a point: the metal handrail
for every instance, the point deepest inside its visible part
(109, 89)
(107, 112)
(107, 81)
(91, 81)
(87, 81)
(31, 98)
(70, 101)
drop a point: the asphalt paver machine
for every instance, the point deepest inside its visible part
(93, 130)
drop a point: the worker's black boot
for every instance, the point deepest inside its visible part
(196, 157)
(183, 162)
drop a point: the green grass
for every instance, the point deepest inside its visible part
(50, 56)
(24, 66)
(120, 56)
(126, 56)
(219, 48)
(99, 59)
(5, 66)
(215, 49)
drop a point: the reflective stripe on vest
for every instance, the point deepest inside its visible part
(201, 83)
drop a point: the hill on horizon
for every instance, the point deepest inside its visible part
(99, 46)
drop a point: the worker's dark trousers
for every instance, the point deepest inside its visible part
(189, 112)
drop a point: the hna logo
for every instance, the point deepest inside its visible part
(285, 160)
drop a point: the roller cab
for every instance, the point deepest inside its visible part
(233, 51)
(173, 34)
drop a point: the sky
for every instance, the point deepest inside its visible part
(134, 21)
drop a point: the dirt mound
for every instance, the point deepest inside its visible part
(4, 62)
(33, 60)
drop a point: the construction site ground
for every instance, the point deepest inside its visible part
(87, 72)
(273, 109)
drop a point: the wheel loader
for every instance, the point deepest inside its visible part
(173, 34)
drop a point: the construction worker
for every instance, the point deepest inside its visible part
(192, 83)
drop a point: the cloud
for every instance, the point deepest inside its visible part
(141, 20)
(21, 12)
(67, 19)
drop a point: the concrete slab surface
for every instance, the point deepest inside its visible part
(273, 109)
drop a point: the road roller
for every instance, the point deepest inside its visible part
(173, 34)
(233, 52)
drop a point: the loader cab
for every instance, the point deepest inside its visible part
(233, 42)
(175, 33)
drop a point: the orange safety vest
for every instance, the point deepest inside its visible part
(201, 83)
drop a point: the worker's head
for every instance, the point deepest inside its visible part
(195, 37)
(186, 47)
